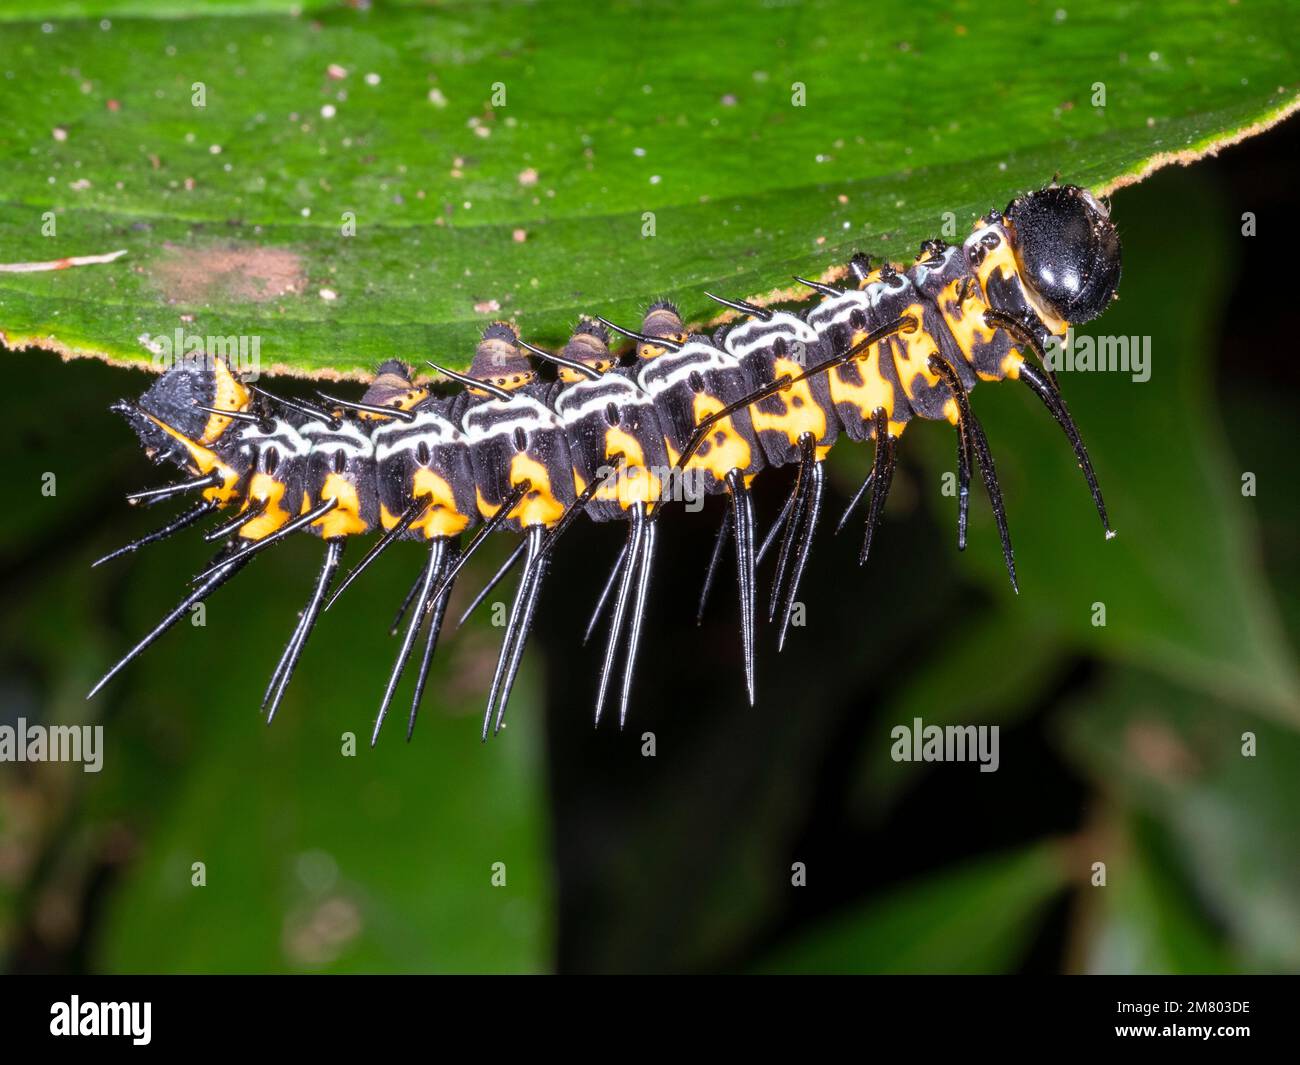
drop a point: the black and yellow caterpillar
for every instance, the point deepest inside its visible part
(619, 438)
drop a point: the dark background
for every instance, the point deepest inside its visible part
(1119, 744)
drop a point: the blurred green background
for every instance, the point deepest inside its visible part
(1120, 744)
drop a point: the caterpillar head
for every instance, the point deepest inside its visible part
(499, 360)
(169, 418)
(1067, 249)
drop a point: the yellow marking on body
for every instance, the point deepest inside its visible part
(965, 320)
(406, 401)
(510, 384)
(345, 519)
(649, 350)
(205, 461)
(872, 394)
(911, 352)
(951, 411)
(263, 488)
(485, 509)
(794, 421)
(442, 517)
(634, 482)
(539, 505)
(230, 394)
(999, 261)
(721, 456)
(572, 377)
(873, 277)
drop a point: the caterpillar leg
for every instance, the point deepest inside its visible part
(1053, 401)
(604, 595)
(969, 424)
(257, 546)
(990, 476)
(437, 612)
(406, 602)
(409, 515)
(221, 573)
(648, 544)
(777, 525)
(497, 578)
(743, 528)
(963, 484)
(182, 521)
(432, 569)
(858, 496)
(816, 484)
(882, 476)
(480, 537)
(237, 522)
(799, 499)
(566, 519)
(719, 545)
(517, 628)
(1021, 333)
(306, 622)
(635, 537)
(150, 496)
(1045, 386)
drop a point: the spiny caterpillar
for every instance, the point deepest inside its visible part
(515, 451)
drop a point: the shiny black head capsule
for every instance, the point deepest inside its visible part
(1067, 249)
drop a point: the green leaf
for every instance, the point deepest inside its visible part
(989, 907)
(1221, 854)
(1147, 921)
(759, 141)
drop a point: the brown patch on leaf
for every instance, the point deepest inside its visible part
(227, 274)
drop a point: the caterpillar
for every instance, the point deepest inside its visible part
(614, 437)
